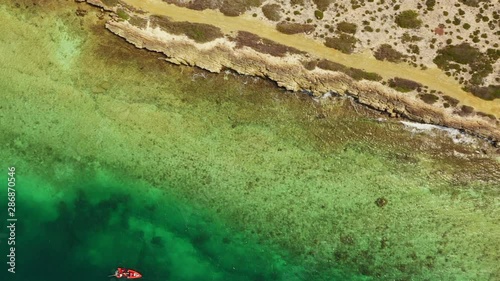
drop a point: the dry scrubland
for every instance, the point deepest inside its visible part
(461, 37)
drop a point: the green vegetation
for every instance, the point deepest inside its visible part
(263, 45)
(466, 26)
(408, 19)
(322, 4)
(318, 14)
(347, 27)
(310, 65)
(122, 14)
(294, 28)
(386, 52)
(110, 3)
(491, 116)
(407, 38)
(414, 49)
(428, 98)
(344, 43)
(138, 21)
(403, 85)
(480, 64)
(463, 53)
(235, 8)
(487, 93)
(201, 5)
(471, 3)
(272, 11)
(493, 54)
(466, 110)
(356, 74)
(199, 32)
(452, 101)
(430, 4)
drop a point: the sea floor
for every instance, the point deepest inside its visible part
(124, 159)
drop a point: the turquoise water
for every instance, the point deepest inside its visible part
(123, 159)
(82, 230)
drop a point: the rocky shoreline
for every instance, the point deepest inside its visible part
(291, 72)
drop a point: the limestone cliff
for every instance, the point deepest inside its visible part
(289, 71)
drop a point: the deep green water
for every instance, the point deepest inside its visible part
(81, 230)
(123, 159)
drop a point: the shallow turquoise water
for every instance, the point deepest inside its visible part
(125, 160)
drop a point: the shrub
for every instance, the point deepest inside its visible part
(491, 116)
(414, 49)
(403, 85)
(471, 3)
(487, 93)
(347, 27)
(466, 26)
(372, 76)
(368, 28)
(386, 52)
(139, 22)
(272, 11)
(493, 54)
(430, 4)
(235, 8)
(263, 45)
(310, 65)
(428, 98)
(452, 101)
(356, 74)
(110, 3)
(322, 4)
(344, 43)
(122, 14)
(294, 28)
(199, 32)
(201, 5)
(318, 14)
(463, 53)
(407, 38)
(480, 64)
(465, 110)
(408, 19)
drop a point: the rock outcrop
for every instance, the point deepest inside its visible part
(291, 73)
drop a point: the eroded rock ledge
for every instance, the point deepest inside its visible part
(290, 70)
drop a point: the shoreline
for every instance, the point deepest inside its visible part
(299, 175)
(223, 53)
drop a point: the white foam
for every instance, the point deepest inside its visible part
(455, 135)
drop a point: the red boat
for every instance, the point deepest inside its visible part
(127, 273)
